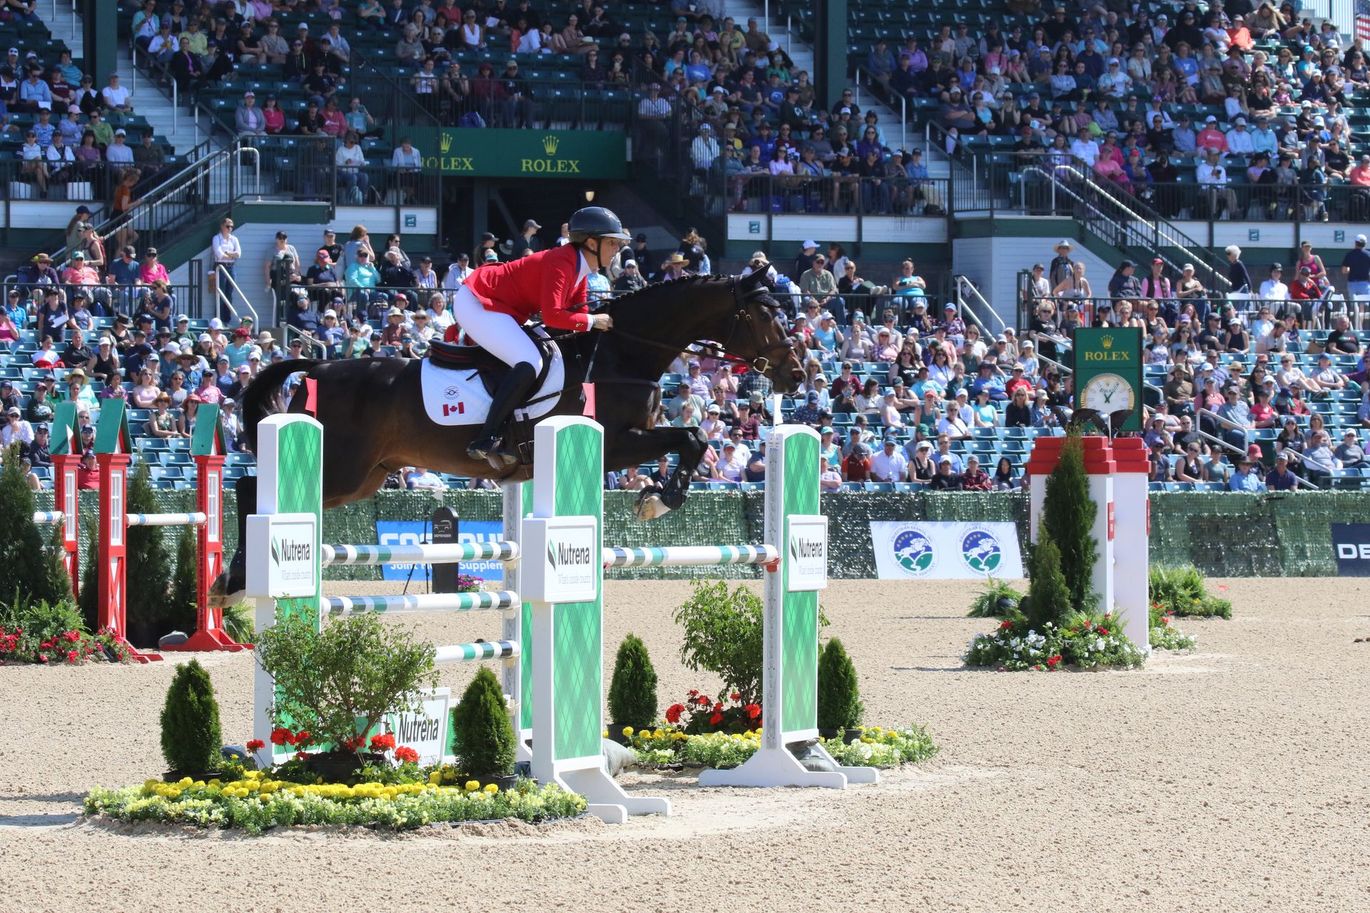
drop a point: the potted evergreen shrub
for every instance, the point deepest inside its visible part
(190, 725)
(483, 736)
(632, 690)
(839, 697)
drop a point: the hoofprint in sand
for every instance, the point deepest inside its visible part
(1229, 779)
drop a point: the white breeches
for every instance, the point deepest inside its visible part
(497, 333)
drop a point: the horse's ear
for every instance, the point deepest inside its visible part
(752, 281)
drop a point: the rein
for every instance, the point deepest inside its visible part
(710, 349)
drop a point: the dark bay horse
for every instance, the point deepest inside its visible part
(374, 421)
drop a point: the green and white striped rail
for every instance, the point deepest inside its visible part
(499, 649)
(191, 519)
(683, 555)
(422, 602)
(371, 555)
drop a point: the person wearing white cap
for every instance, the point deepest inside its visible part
(1061, 265)
(1239, 139)
(703, 150)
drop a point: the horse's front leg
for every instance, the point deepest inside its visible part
(632, 446)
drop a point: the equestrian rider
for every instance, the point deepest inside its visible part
(498, 299)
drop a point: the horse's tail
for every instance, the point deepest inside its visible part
(262, 396)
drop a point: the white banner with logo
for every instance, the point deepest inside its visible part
(941, 550)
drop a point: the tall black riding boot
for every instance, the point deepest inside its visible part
(515, 386)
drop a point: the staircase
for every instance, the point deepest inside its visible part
(178, 127)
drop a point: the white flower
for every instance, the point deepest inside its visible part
(1098, 643)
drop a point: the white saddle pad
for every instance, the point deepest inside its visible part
(457, 396)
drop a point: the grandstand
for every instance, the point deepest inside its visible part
(716, 138)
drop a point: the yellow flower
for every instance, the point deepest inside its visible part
(184, 782)
(628, 731)
(604, 734)
(435, 777)
(472, 785)
(492, 788)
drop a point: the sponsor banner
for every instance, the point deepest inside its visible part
(562, 560)
(416, 532)
(1351, 545)
(807, 552)
(495, 153)
(289, 566)
(938, 550)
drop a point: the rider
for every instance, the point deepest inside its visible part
(496, 300)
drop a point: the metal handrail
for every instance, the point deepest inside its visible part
(1231, 424)
(226, 300)
(961, 282)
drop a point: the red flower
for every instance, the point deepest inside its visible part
(1101, 631)
(280, 736)
(715, 719)
(1005, 625)
(735, 696)
(301, 738)
(72, 636)
(42, 658)
(73, 657)
(718, 706)
(406, 755)
(355, 743)
(694, 691)
(753, 711)
(255, 745)
(301, 755)
(673, 713)
(383, 742)
(703, 700)
(1053, 661)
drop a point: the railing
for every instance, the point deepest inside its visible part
(763, 192)
(979, 308)
(1313, 313)
(226, 293)
(108, 300)
(1217, 419)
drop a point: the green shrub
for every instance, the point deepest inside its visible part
(26, 571)
(1068, 514)
(483, 735)
(723, 634)
(996, 600)
(148, 571)
(1048, 596)
(632, 690)
(1181, 591)
(190, 721)
(239, 622)
(839, 697)
(90, 581)
(184, 606)
(343, 680)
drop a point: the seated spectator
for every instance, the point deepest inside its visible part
(946, 478)
(1349, 452)
(1246, 479)
(421, 478)
(889, 465)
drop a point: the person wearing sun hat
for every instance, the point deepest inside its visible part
(1061, 266)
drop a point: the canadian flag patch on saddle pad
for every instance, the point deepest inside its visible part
(457, 396)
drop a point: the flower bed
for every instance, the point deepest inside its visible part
(1086, 642)
(877, 747)
(256, 802)
(70, 647)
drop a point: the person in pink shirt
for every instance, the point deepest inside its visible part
(152, 269)
(78, 273)
(1210, 137)
(334, 123)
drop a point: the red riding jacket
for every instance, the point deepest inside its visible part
(548, 281)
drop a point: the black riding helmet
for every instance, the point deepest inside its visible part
(596, 222)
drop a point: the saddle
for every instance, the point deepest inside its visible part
(489, 368)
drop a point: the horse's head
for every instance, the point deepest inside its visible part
(760, 336)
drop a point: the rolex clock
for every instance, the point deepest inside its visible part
(1107, 393)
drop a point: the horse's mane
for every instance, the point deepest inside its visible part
(650, 292)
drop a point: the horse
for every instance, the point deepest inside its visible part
(374, 421)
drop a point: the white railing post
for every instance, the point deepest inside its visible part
(904, 123)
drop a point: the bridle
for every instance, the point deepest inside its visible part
(741, 317)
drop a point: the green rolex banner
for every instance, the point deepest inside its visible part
(1108, 373)
(475, 152)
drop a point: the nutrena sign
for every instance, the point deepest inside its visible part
(570, 567)
(289, 567)
(806, 552)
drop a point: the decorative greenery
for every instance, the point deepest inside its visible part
(1181, 591)
(483, 734)
(723, 634)
(877, 747)
(343, 680)
(632, 690)
(89, 595)
(996, 600)
(239, 622)
(256, 803)
(27, 572)
(51, 633)
(701, 713)
(1083, 641)
(1162, 633)
(190, 721)
(1048, 596)
(183, 611)
(839, 695)
(1068, 514)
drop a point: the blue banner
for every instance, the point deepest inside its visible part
(415, 532)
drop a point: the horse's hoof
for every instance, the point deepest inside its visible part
(501, 461)
(650, 508)
(225, 592)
